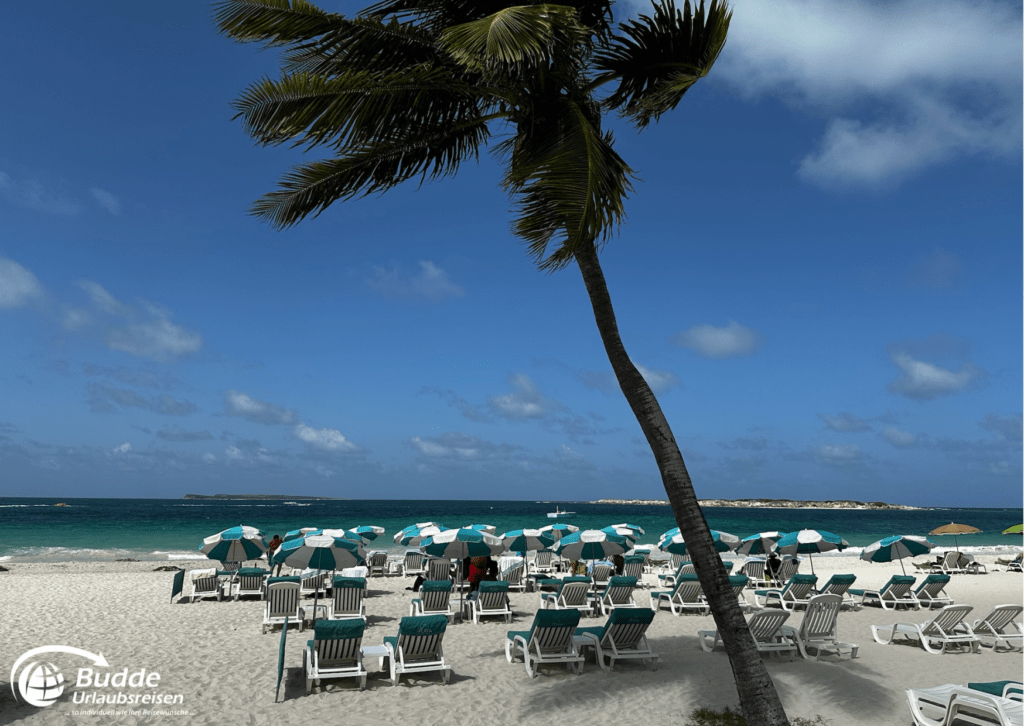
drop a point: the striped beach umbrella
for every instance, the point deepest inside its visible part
(368, 532)
(320, 552)
(759, 544)
(456, 544)
(809, 541)
(673, 542)
(623, 531)
(559, 530)
(301, 532)
(896, 548)
(414, 535)
(488, 528)
(592, 544)
(527, 540)
(236, 544)
(635, 527)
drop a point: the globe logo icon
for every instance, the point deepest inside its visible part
(40, 684)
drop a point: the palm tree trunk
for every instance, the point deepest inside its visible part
(758, 699)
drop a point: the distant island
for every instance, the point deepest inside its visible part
(288, 497)
(771, 503)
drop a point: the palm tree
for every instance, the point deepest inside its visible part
(409, 89)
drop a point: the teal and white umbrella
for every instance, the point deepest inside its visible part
(637, 529)
(457, 544)
(759, 544)
(301, 532)
(622, 531)
(414, 534)
(527, 540)
(896, 548)
(809, 541)
(236, 544)
(592, 544)
(368, 532)
(320, 552)
(488, 528)
(673, 542)
(559, 530)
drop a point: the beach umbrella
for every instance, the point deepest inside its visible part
(413, 536)
(488, 528)
(457, 544)
(956, 530)
(559, 530)
(627, 532)
(527, 540)
(301, 532)
(320, 552)
(592, 544)
(1015, 529)
(368, 532)
(759, 544)
(896, 548)
(673, 543)
(635, 527)
(236, 544)
(809, 541)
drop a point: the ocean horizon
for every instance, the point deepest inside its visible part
(98, 529)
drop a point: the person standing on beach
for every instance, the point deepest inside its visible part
(271, 549)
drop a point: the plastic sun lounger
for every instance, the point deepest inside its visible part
(1000, 625)
(282, 603)
(930, 593)
(840, 585)
(819, 629)
(250, 582)
(765, 626)
(549, 640)
(624, 636)
(347, 600)
(334, 652)
(942, 705)
(418, 647)
(435, 599)
(895, 593)
(572, 594)
(687, 596)
(491, 599)
(797, 592)
(946, 629)
(618, 594)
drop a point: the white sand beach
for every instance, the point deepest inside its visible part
(214, 655)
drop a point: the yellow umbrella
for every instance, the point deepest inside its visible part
(955, 529)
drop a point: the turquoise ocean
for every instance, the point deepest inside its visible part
(34, 530)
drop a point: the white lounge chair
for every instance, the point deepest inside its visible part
(549, 640)
(418, 647)
(250, 582)
(618, 594)
(378, 563)
(624, 636)
(894, 594)
(754, 569)
(282, 603)
(313, 584)
(334, 652)
(946, 629)
(414, 563)
(931, 592)
(515, 576)
(944, 705)
(765, 626)
(796, 593)
(490, 599)
(347, 599)
(541, 563)
(789, 567)
(686, 596)
(205, 583)
(435, 599)
(670, 580)
(571, 595)
(840, 585)
(600, 575)
(1010, 564)
(819, 630)
(439, 569)
(633, 566)
(1000, 625)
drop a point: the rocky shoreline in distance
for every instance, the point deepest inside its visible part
(770, 503)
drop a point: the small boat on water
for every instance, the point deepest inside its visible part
(559, 513)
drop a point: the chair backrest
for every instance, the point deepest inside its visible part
(552, 630)
(491, 594)
(543, 559)
(765, 624)
(438, 569)
(688, 589)
(620, 590)
(754, 569)
(204, 584)
(1000, 617)
(677, 560)
(601, 573)
(348, 595)
(626, 627)
(820, 619)
(435, 594)
(738, 583)
(514, 574)
(338, 640)
(946, 620)
(788, 569)
(951, 560)
(898, 587)
(727, 565)
(251, 579)
(282, 598)
(420, 636)
(799, 586)
(413, 561)
(573, 594)
(932, 585)
(838, 584)
(633, 566)
(376, 560)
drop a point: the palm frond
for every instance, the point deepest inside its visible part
(311, 188)
(276, 22)
(658, 59)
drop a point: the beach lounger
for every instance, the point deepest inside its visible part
(572, 594)
(686, 596)
(515, 576)
(418, 647)
(434, 599)
(765, 626)
(347, 599)
(549, 640)
(840, 585)
(313, 584)
(439, 569)
(1001, 627)
(250, 582)
(600, 575)
(633, 566)
(795, 594)
(946, 629)
(205, 583)
(378, 563)
(541, 563)
(491, 599)
(624, 636)
(739, 583)
(670, 580)
(973, 704)
(894, 594)
(618, 594)
(334, 652)
(819, 630)
(754, 569)
(789, 567)
(949, 565)
(414, 563)
(930, 592)
(282, 603)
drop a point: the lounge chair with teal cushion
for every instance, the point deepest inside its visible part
(250, 581)
(765, 626)
(435, 599)
(633, 566)
(894, 594)
(347, 599)
(685, 568)
(796, 593)
(947, 628)
(205, 583)
(977, 703)
(618, 594)
(377, 562)
(728, 566)
(686, 596)
(623, 636)
(418, 647)
(1002, 627)
(334, 652)
(282, 603)
(491, 599)
(840, 585)
(572, 594)
(930, 593)
(819, 630)
(549, 640)
(515, 576)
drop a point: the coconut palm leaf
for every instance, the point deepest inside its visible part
(275, 22)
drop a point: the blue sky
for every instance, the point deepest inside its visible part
(819, 274)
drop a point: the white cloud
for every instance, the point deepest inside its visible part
(209, 458)
(252, 409)
(659, 381)
(325, 438)
(941, 78)
(124, 448)
(234, 453)
(106, 200)
(31, 194)
(845, 422)
(734, 340)
(838, 454)
(925, 381)
(18, 286)
(525, 402)
(431, 282)
(899, 439)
